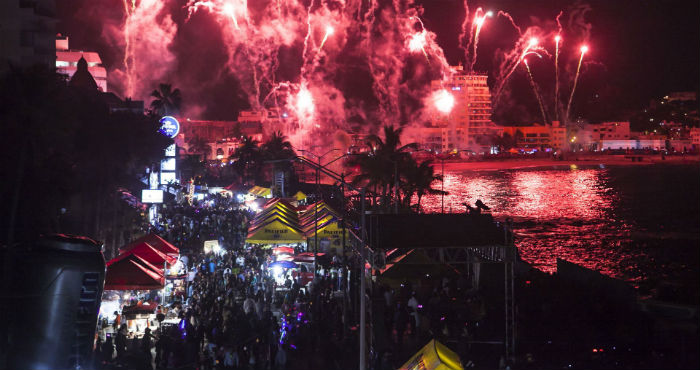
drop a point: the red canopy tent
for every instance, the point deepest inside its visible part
(306, 257)
(156, 242)
(280, 250)
(133, 272)
(148, 253)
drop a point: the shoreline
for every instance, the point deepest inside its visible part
(583, 160)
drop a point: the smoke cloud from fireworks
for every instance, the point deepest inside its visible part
(327, 64)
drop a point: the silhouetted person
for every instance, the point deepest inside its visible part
(146, 344)
(107, 350)
(401, 323)
(480, 205)
(120, 342)
(471, 210)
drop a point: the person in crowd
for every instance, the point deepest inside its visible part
(146, 345)
(107, 352)
(120, 342)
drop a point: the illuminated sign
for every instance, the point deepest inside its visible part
(168, 177)
(171, 151)
(169, 126)
(167, 164)
(151, 196)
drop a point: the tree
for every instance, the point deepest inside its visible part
(197, 145)
(419, 179)
(166, 100)
(385, 161)
(247, 159)
(63, 160)
(277, 150)
(277, 147)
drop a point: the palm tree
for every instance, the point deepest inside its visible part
(247, 158)
(166, 100)
(197, 145)
(277, 148)
(419, 179)
(393, 157)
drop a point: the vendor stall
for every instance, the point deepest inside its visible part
(140, 316)
(133, 273)
(274, 232)
(148, 253)
(156, 242)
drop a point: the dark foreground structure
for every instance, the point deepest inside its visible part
(50, 300)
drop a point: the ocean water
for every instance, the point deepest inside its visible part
(637, 223)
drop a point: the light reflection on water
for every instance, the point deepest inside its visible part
(559, 213)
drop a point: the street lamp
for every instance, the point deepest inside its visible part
(363, 253)
(318, 191)
(442, 158)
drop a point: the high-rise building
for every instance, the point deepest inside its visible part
(67, 62)
(27, 31)
(469, 125)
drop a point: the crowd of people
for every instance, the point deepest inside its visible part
(238, 313)
(189, 223)
(234, 314)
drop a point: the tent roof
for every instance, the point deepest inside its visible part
(321, 211)
(282, 220)
(322, 218)
(259, 221)
(277, 210)
(323, 223)
(133, 272)
(275, 232)
(434, 356)
(260, 191)
(282, 202)
(156, 242)
(148, 253)
(300, 195)
(320, 204)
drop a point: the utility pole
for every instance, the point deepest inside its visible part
(363, 283)
(318, 191)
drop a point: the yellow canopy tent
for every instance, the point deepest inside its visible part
(258, 223)
(260, 191)
(300, 196)
(330, 230)
(275, 231)
(279, 201)
(309, 215)
(272, 211)
(434, 356)
(323, 217)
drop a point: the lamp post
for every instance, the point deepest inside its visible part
(442, 174)
(363, 253)
(318, 191)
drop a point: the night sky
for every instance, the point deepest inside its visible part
(640, 50)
